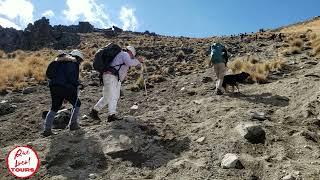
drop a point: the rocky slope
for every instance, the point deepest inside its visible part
(181, 129)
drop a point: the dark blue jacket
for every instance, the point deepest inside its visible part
(63, 72)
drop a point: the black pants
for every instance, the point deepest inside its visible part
(58, 94)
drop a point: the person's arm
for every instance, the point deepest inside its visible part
(131, 62)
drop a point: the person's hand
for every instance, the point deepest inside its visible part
(140, 59)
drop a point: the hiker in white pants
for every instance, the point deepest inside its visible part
(112, 83)
(111, 94)
(220, 70)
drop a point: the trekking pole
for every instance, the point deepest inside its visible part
(145, 76)
(74, 106)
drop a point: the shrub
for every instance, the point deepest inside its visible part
(180, 55)
(15, 73)
(297, 43)
(316, 50)
(258, 71)
(295, 50)
(87, 66)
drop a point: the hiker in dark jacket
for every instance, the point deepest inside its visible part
(63, 75)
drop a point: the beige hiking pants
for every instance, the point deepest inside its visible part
(220, 70)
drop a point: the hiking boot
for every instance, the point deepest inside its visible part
(47, 133)
(94, 114)
(74, 127)
(113, 117)
(219, 92)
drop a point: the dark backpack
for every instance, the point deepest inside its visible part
(52, 70)
(104, 57)
(219, 53)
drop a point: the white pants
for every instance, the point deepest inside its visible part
(111, 94)
(220, 70)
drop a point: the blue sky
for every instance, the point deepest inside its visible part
(193, 18)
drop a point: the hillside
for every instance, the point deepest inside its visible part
(181, 129)
(313, 25)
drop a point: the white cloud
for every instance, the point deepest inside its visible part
(90, 10)
(128, 19)
(48, 13)
(19, 11)
(7, 24)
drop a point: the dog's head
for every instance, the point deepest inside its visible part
(244, 75)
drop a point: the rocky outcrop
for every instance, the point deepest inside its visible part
(41, 34)
(10, 38)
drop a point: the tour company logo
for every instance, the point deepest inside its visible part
(23, 162)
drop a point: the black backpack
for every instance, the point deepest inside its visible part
(52, 70)
(104, 57)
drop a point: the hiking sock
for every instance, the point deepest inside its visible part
(74, 116)
(49, 120)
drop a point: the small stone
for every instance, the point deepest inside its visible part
(307, 147)
(288, 177)
(183, 89)
(200, 140)
(257, 115)
(231, 161)
(134, 107)
(29, 90)
(124, 139)
(92, 176)
(198, 102)
(207, 79)
(84, 117)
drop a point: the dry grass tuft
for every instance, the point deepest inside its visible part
(316, 50)
(2, 54)
(297, 43)
(87, 66)
(258, 71)
(15, 73)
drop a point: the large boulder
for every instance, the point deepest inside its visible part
(6, 108)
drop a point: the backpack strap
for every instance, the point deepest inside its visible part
(120, 65)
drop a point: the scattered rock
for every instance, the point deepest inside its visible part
(114, 145)
(134, 107)
(6, 108)
(207, 79)
(201, 140)
(198, 102)
(92, 176)
(170, 70)
(311, 62)
(311, 136)
(261, 116)
(191, 93)
(62, 118)
(85, 117)
(282, 98)
(288, 177)
(231, 161)
(3, 92)
(254, 133)
(29, 90)
(312, 75)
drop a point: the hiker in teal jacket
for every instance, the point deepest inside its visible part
(219, 59)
